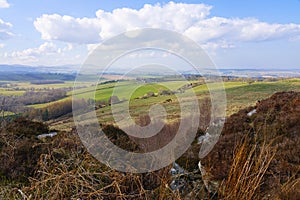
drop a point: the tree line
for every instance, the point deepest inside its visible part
(18, 104)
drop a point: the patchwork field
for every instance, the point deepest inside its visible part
(239, 95)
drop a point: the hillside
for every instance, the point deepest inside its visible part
(275, 125)
(256, 157)
(239, 95)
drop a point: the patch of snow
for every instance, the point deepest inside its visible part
(52, 134)
(251, 113)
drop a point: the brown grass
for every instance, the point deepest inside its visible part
(290, 190)
(246, 175)
(70, 172)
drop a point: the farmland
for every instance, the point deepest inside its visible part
(239, 95)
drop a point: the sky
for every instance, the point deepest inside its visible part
(234, 33)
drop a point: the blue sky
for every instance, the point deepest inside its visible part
(235, 33)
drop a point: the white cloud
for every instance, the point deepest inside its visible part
(217, 45)
(255, 30)
(193, 20)
(5, 30)
(48, 54)
(172, 16)
(34, 54)
(2, 45)
(244, 30)
(68, 29)
(4, 4)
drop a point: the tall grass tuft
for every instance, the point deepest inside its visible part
(246, 175)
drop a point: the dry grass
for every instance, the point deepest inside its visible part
(290, 190)
(89, 181)
(246, 175)
(69, 172)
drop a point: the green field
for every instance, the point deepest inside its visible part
(23, 86)
(16, 88)
(19, 88)
(105, 91)
(6, 92)
(67, 84)
(239, 95)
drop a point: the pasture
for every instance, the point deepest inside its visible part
(239, 95)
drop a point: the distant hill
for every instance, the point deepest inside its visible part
(38, 69)
(32, 74)
(28, 73)
(36, 76)
(17, 69)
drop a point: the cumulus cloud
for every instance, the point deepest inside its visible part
(4, 4)
(174, 16)
(193, 20)
(47, 53)
(255, 30)
(5, 30)
(2, 45)
(244, 30)
(48, 48)
(68, 29)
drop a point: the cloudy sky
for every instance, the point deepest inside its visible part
(235, 33)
